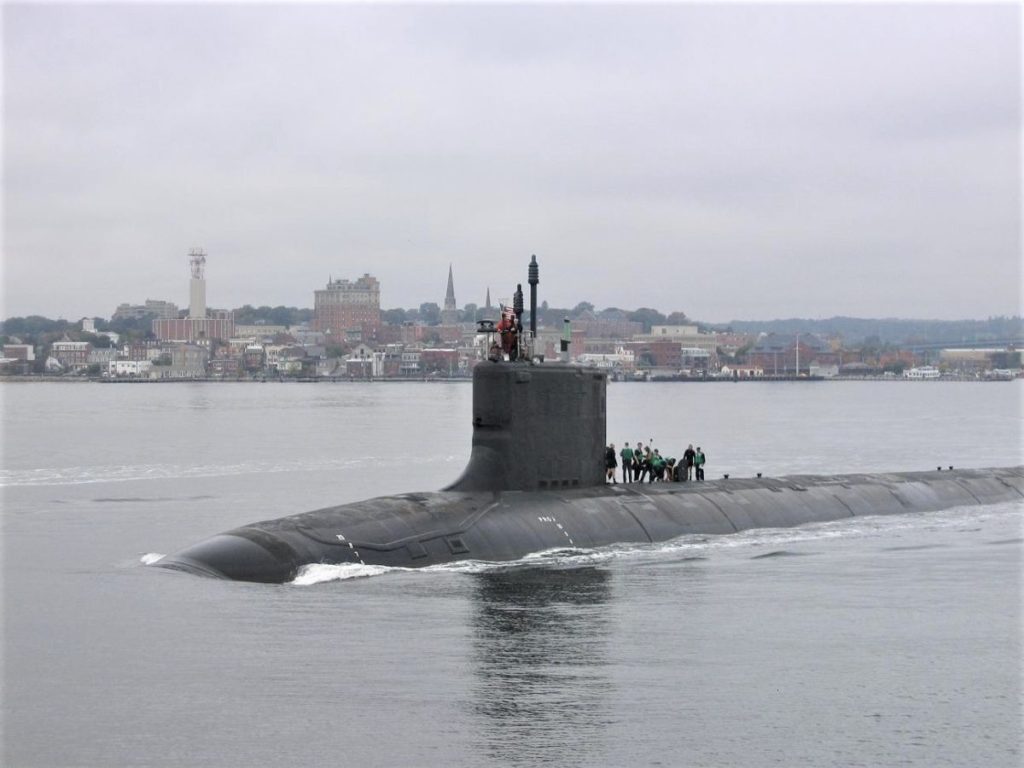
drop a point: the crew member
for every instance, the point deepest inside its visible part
(610, 463)
(627, 463)
(688, 462)
(698, 462)
(509, 334)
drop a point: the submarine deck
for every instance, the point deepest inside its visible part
(420, 529)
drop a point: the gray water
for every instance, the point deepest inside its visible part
(873, 642)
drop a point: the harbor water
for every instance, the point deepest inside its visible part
(888, 641)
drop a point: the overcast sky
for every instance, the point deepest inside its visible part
(728, 161)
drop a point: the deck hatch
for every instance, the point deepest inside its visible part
(416, 550)
(457, 545)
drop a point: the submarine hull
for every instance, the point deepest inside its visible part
(422, 529)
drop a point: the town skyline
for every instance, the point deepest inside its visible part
(348, 335)
(733, 161)
(181, 306)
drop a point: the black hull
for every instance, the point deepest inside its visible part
(416, 530)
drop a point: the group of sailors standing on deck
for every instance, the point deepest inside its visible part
(642, 464)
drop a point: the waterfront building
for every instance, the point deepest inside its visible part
(742, 371)
(293, 361)
(662, 355)
(142, 350)
(970, 360)
(224, 368)
(824, 370)
(858, 368)
(364, 363)
(188, 361)
(439, 361)
(72, 355)
(348, 311)
(686, 335)
(621, 360)
(410, 362)
(17, 359)
(102, 356)
(129, 369)
(253, 358)
(695, 360)
(25, 352)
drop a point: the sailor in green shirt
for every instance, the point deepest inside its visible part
(657, 466)
(627, 463)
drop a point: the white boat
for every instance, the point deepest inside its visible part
(924, 372)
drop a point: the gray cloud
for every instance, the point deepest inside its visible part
(729, 161)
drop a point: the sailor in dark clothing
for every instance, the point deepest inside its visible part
(688, 455)
(610, 463)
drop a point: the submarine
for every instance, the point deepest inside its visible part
(535, 481)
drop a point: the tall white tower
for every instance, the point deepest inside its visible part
(197, 285)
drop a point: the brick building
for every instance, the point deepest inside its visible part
(72, 355)
(220, 324)
(663, 354)
(348, 310)
(24, 352)
(445, 361)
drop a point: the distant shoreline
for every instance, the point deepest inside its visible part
(467, 379)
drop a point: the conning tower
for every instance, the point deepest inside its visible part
(536, 426)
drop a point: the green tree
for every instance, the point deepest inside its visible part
(393, 316)
(99, 342)
(649, 317)
(32, 326)
(280, 316)
(430, 313)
